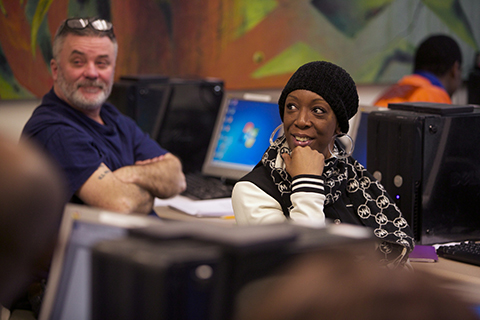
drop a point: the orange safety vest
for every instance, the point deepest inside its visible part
(413, 88)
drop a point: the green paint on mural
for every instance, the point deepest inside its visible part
(452, 14)
(80, 8)
(251, 13)
(397, 55)
(10, 91)
(43, 36)
(2, 8)
(288, 61)
(9, 86)
(350, 16)
(38, 17)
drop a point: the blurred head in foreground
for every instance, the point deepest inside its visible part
(333, 285)
(31, 205)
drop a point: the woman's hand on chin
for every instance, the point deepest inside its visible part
(304, 160)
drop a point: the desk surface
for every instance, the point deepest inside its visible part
(461, 278)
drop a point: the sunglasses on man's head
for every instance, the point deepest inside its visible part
(97, 24)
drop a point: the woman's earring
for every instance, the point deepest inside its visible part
(275, 131)
(341, 146)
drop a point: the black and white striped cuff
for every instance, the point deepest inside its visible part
(308, 183)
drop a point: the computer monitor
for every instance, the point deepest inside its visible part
(241, 136)
(186, 123)
(143, 98)
(68, 291)
(179, 113)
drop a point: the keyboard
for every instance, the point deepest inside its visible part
(200, 187)
(468, 252)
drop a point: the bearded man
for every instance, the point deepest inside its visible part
(108, 161)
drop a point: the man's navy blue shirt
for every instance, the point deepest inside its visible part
(79, 144)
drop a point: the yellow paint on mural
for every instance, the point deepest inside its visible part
(288, 61)
(252, 12)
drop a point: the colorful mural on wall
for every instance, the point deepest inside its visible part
(247, 43)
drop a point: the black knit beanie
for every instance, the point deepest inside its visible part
(329, 81)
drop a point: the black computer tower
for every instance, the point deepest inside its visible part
(427, 156)
(198, 271)
(473, 87)
(134, 278)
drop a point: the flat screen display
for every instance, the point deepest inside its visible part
(241, 137)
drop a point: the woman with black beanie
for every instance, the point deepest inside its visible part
(306, 177)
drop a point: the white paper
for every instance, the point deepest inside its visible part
(200, 208)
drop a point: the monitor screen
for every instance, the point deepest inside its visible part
(68, 291)
(143, 98)
(187, 121)
(73, 296)
(179, 113)
(241, 135)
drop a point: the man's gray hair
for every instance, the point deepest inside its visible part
(63, 31)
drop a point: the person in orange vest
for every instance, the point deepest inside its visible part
(436, 74)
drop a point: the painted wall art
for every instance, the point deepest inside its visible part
(250, 44)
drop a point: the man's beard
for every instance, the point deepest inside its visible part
(77, 99)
